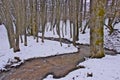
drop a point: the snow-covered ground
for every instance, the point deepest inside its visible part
(106, 68)
(33, 49)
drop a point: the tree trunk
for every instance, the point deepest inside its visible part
(18, 24)
(8, 23)
(58, 20)
(81, 10)
(84, 9)
(96, 29)
(43, 17)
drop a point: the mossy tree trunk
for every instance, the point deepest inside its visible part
(96, 29)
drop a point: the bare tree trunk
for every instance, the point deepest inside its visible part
(0, 20)
(81, 10)
(74, 23)
(26, 17)
(77, 21)
(111, 18)
(17, 5)
(38, 20)
(84, 9)
(2, 17)
(71, 17)
(87, 23)
(8, 22)
(34, 17)
(23, 17)
(0, 14)
(58, 19)
(43, 14)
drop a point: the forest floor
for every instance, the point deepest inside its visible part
(39, 68)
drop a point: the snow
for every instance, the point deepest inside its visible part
(33, 50)
(84, 38)
(113, 41)
(106, 68)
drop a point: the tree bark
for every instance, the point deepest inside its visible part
(96, 29)
(8, 22)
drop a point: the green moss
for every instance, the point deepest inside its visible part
(100, 55)
(101, 12)
(98, 41)
(92, 30)
(100, 32)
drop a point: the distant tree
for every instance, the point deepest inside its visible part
(1, 13)
(77, 18)
(112, 17)
(71, 17)
(34, 17)
(81, 13)
(64, 15)
(0, 21)
(25, 19)
(86, 15)
(43, 9)
(74, 22)
(85, 5)
(58, 15)
(113, 14)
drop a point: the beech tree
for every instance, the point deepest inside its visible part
(96, 28)
(7, 20)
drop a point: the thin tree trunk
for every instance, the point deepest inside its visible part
(84, 9)
(43, 14)
(81, 10)
(58, 19)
